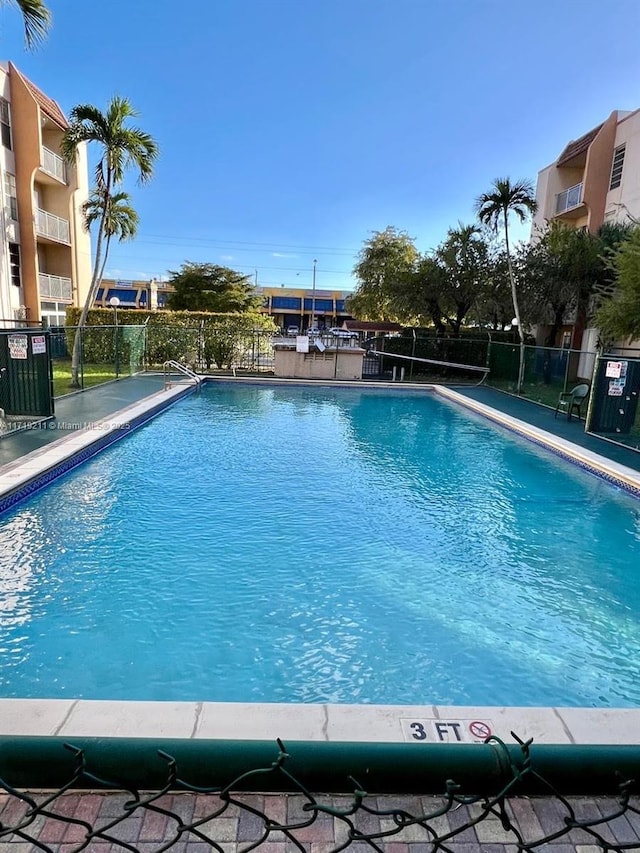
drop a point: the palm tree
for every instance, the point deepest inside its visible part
(493, 209)
(122, 148)
(37, 19)
(121, 219)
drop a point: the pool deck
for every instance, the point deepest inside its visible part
(106, 411)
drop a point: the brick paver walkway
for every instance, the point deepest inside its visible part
(243, 824)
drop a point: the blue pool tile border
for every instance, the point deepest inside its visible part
(521, 429)
(103, 441)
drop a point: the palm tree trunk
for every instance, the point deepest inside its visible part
(516, 308)
(98, 267)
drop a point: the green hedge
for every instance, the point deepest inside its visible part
(456, 350)
(195, 337)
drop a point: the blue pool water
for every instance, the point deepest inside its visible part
(285, 544)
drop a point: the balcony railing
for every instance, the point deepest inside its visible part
(54, 165)
(50, 225)
(569, 198)
(55, 287)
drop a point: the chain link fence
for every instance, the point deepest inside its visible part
(180, 815)
(111, 352)
(548, 371)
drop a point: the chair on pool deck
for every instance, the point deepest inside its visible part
(572, 400)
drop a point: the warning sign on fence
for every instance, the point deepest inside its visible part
(18, 346)
(38, 344)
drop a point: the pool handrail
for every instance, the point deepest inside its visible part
(181, 368)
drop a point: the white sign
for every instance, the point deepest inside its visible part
(38, 344)
(18, 346)
(613, 369)
(446, 731)
(302, 343)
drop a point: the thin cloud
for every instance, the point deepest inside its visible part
(282, 255)
(226, 257)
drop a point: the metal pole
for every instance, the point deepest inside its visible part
(144, 763)
(313, 296)
(115, 311)
(114, 302)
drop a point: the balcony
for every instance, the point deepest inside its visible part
(53, 165)
(568, 200)
(52, 227)
(55, 287)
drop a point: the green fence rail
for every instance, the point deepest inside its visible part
(478, 786)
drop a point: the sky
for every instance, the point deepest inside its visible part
(292, 129)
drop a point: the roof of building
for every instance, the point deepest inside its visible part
(48, 106)
(577, 146)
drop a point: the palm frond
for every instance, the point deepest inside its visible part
(36, 17)
(119, 219)
(122, 147)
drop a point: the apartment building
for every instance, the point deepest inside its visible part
(303, 307)
(149, 294)
(289, 306)
(45, 252)
(595, 179)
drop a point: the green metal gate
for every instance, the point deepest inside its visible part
(616, 389)
(26, 379)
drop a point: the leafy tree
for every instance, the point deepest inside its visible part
(494, 305)
(122, 147)
(619, 315)
(463, 257)
(417, 293)
(209, 287)
(564, 272)
(37, 19)
(385, 261)
(612, 235)
(493, 209)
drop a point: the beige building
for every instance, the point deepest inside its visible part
(595, 179)
(45, 253)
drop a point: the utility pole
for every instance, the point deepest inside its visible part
(313, 296)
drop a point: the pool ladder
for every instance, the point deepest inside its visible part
(170, 365)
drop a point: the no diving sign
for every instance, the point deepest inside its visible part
(446, 731)
(18, 346)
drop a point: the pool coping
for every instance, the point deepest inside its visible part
(411, 724)
(25, 476)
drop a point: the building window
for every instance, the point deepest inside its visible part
(5, 123)
(616, 169)
(53, 313)
(10, 194)
(14, 263)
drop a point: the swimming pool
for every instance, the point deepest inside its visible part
(319, 545)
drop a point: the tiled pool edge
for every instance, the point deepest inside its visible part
(613, 472)
(415, 724)
(30, 473)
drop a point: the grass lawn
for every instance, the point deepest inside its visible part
(92, 374)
